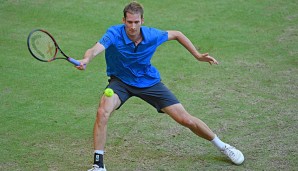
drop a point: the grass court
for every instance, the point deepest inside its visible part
(250, 99)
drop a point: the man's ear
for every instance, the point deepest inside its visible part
(142, 21)
(123, 20)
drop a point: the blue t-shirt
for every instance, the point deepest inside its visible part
(130, 63)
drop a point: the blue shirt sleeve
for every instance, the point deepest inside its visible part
(155, 36)
(109, 37)
(105, 40)
(163, 37)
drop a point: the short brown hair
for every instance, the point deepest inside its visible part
(133, 8)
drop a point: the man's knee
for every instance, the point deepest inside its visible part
(187, 121)
(102, 116)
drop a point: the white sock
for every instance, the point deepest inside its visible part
(218, 143)
(99, 152)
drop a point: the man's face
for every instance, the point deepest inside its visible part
(133, 24)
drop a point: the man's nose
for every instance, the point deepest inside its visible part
(133, 26)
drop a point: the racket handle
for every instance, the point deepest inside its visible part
(73, 61)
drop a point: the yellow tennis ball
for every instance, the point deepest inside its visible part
(109, 92)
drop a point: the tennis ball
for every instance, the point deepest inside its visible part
(109, 92)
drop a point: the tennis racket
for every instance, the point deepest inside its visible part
(43, 47)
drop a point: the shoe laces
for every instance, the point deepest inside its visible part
(95, 167)
(229, 151)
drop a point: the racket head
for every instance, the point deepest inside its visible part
(42, 45)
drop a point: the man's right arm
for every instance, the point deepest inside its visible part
(90, 54)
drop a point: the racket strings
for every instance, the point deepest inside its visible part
(42, 46)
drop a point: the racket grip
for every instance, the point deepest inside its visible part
(73, 61)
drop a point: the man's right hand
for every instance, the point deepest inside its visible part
(82, 65)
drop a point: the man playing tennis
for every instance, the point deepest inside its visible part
(129, 48)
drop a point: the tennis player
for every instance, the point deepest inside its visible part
(129, 48)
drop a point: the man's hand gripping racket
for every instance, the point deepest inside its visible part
(43, 47)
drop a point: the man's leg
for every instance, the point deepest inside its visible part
(180, 115)
(106, 107)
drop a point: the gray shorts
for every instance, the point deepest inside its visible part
(158, 95)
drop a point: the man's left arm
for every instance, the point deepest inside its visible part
(183, 40)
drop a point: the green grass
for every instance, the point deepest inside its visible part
(249, 100)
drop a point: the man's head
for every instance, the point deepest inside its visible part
(133, 19)
(133, 8)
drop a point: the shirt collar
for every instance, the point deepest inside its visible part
(126, 38)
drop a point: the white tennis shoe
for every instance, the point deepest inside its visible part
(235, 155)
(96, 168)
